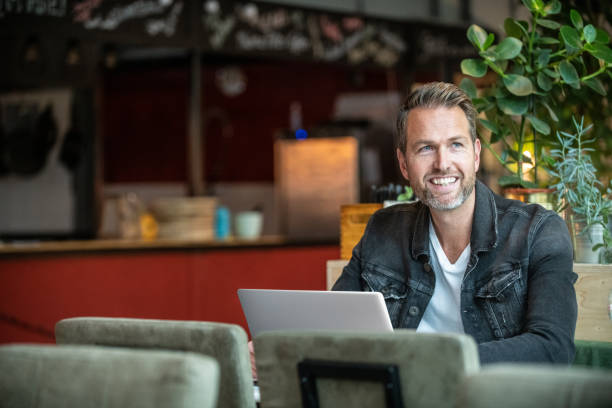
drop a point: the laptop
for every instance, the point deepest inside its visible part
(267, 309)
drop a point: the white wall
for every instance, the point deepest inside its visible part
(43, 202)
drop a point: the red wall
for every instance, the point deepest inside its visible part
(144, 117)
(37, 292)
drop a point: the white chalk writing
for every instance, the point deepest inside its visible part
(220, 27)
(50, 8)
(393, 40)
(336, 52)
(118, 15)
(293, 42)
(167, 26)
(265, 22)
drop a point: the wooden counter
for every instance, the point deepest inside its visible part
(102, 245)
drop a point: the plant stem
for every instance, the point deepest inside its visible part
(495, 68)
(520, 150)
(497, 156)
(534, 23)
(601, 70)
(558, 53)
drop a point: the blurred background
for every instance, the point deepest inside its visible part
(101, 100)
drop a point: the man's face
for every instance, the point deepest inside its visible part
(440, 160)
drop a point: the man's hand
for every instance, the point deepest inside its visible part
(252, 354)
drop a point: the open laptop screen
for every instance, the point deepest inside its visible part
(266, 310)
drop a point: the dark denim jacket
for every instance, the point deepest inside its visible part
(517, 296)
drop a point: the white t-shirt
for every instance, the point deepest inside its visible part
(443, 313)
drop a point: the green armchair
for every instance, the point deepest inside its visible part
(43, 376)
(227, 343)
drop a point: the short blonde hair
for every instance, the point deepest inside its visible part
(435, 95)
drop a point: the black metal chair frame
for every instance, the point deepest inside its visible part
(388, 374)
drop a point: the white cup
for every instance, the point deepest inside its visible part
(248, 224)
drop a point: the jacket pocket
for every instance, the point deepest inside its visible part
(380, 279)
(502, 298)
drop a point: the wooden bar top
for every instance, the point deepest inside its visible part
(102, 245)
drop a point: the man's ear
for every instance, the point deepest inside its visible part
(401, 159)
(477, 148)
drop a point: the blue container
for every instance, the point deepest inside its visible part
(222, 222)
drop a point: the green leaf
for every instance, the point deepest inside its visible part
(590, 33)
(489, 41)
(489, 54)
(576, 19)
(600, 51)
(507, 181)
(553, 25)
(551, 112)
(554, 7)
(596, 85)
(473, 67)
(602, 37)
(568, 72)
(530, 4)
(477, 36)
(509, 48)
(513, 105)
(468, 87)
(548, 41)
(512, 28)
(490, 125)
(518, 84)
(543, 58)
(544, 81)
(571, 37)
(551, 73)
(539, 125)
(514, 180)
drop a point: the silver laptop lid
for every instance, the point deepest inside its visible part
(267, 309)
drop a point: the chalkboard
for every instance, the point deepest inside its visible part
(439, 42)
(136, 21)
(247, 27)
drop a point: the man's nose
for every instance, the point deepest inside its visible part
(442, 161)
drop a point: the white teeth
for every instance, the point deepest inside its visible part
(444, 180)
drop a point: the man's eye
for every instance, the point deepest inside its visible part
(425, 149)
(457, 145)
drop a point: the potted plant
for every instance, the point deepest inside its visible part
(580, 194)
(536, 66)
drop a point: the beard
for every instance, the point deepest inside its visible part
(427, 197)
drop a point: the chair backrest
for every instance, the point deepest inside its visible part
(227, 343)
(523, 385)
(49, 376)
(430, 366)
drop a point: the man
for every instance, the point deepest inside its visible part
(463, 259)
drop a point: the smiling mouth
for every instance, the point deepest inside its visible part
(443, 181)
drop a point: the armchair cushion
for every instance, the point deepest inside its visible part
(44, 376)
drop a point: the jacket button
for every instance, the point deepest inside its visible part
(427, 267)
(413, 311)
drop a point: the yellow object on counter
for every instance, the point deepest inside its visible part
(148, 227)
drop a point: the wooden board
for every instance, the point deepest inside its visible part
(334, 269)
(592, 290)
(353, 220)
(313, 178)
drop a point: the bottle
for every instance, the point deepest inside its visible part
(222, 222)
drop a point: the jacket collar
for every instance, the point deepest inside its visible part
(484, 231)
